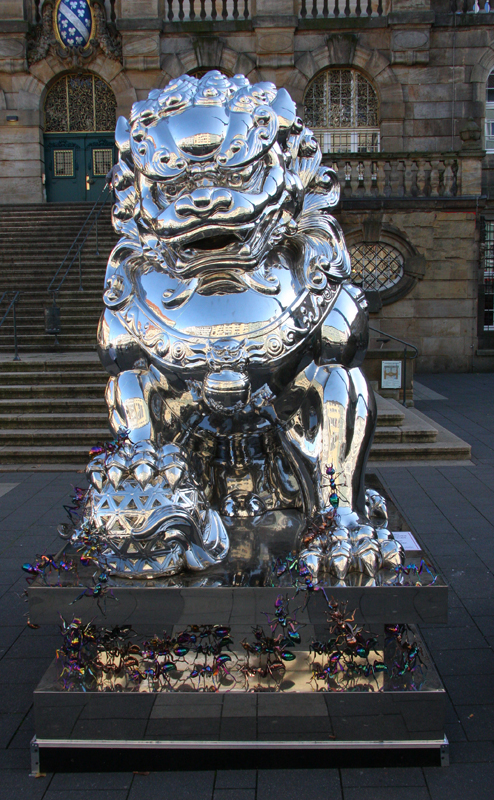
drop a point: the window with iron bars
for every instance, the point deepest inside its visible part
(376, 265)
(488, 280)
(341, 107)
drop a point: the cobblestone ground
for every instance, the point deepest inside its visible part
(452, 511)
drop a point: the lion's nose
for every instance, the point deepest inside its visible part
(203, 201)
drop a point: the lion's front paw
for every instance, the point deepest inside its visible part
(344, 545)
(152, 518)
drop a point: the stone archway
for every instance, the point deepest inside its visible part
(32, 89)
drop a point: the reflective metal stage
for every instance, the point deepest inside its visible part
(382, 710)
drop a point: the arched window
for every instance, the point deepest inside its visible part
(80, 102)
(489, 114)
(341, 107)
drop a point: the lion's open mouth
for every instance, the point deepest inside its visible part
(214, 242)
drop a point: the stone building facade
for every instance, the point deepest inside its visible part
(410, 137)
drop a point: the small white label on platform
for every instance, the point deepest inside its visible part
(391, 375)
(407, 540)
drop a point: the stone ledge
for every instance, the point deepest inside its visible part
(14, 26)
(407, 203)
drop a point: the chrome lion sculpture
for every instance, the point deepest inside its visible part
(233, 338)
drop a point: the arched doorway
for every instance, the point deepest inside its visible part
(79, 125)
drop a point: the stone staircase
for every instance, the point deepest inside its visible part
(33, 242)
(52, 410)
(52, 407)
(407, 435)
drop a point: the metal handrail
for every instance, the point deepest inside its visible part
(77, 253)
(407, 344)
(12, 304)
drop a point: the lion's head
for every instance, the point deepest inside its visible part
(214, 173)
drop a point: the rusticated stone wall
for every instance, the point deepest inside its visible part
(439, 314)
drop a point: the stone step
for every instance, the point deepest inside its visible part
(388, 434)
(413, 447)
(389, 412)
(67, 420)
(37, 328)
(40, 341)
(49, 405)
(57, 377)
(53, 437)
(47, 361)
(59, 457)
(42, 347)
(20, 391)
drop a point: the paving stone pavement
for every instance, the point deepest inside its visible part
(450, 509)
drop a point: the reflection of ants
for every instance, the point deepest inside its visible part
(409, 650)
(320, 525)
(78, 500)
(99, 591)
(44, 565)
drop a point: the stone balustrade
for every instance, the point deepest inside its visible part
(206, 10)
(322, 9)
(407, 175)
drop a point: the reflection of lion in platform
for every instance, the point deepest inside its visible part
(232, 334)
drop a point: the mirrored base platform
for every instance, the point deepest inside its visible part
(356, 709)
(348, 710)
(243, 586)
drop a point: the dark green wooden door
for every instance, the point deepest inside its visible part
(76, 166)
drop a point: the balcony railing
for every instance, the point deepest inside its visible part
(343, 8)
(471, 6)
(398, 176)
(206, 10)
(324, 9)
(348, 140)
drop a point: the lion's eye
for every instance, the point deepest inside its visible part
(236, 180)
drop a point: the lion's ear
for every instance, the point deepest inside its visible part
(122, 137)
(286, 111)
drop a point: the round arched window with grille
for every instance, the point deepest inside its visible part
(342, 108)
(376, 266)
(80, 102)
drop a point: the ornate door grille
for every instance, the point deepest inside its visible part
(80, 102)
(342, 108)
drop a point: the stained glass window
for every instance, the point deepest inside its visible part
(80, 102)
(376, 265)
(341, 107)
